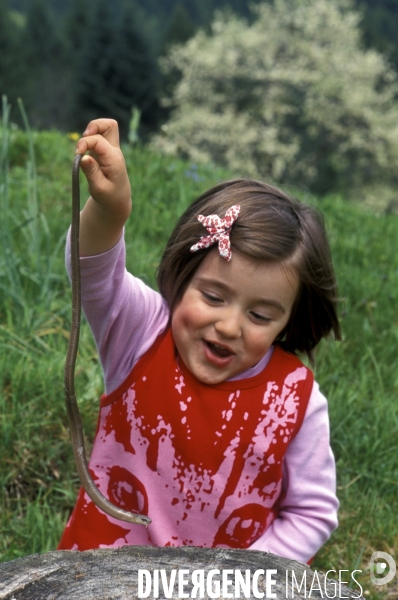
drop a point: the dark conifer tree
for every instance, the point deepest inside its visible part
(6, 47)
(92, 73)
(179, 30)
(12, 64)
(116, 71)
(136, 74)
(180, 27)
(379, 25)
(48, 69)
(75, 26)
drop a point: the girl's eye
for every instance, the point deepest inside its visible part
(261, 318)
(211, 298)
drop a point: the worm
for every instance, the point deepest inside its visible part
(75, 423)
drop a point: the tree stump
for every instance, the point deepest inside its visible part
(134, 572)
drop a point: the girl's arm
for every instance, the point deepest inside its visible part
(308, 511)
(124, 314)
(108, 208)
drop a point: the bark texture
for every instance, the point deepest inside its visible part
(107, 574)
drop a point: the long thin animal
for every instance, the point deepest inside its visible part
(75, 422)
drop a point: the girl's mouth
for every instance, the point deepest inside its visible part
(218, 351)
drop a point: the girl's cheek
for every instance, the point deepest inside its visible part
(187, 315)
(197, 315)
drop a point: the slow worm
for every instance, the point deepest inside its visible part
(75, 422)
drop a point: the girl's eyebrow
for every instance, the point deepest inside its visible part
(227, 288)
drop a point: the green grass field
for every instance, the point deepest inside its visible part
(359, 376)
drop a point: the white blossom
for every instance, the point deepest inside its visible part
(292, 97)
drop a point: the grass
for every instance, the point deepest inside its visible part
(359, 376)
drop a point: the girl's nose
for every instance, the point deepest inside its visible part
(229, 323)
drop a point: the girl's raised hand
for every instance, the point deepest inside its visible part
(106, 211)
(104, 165)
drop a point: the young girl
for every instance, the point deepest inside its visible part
(210, 424)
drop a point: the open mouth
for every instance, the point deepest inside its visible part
(217, 350)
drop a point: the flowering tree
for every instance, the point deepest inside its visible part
(292, 97)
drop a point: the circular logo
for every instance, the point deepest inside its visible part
(378, 568)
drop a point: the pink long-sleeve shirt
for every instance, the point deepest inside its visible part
(126, 317)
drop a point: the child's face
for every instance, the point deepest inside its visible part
(230, 314)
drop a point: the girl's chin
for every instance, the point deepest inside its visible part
(209, 368)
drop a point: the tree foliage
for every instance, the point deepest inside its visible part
(379, 23)
(12, 54)
(47, 70)
(116, 71)
(180, 27)
(292, 97)
(43, 46)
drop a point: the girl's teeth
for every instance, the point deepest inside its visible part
(220, 350)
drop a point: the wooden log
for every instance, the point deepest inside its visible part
(106, 574)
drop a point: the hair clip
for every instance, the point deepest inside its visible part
(219, 230)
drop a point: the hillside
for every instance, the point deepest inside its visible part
(358, 375)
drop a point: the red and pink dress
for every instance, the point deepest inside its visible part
(243, 464)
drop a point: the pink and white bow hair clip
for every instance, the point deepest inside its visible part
(219, 230)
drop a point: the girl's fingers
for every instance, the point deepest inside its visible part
(88, 165)
(97, 145)
(108, 128)
(97, 182)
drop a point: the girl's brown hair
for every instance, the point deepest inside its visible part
(272, 227)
